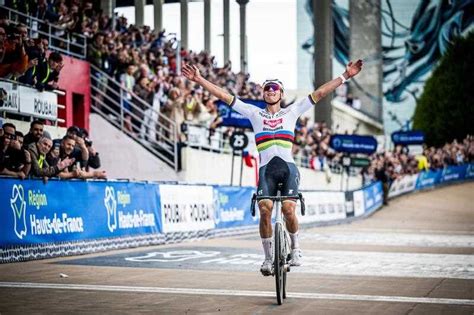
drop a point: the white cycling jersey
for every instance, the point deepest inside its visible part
(274, 133)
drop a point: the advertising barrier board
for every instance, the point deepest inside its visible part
(403, 185)
(56, 212)
(323, 206)
(186, 208)
(232, 206)
(373, 197)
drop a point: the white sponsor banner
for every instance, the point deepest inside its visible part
(359, 207)
(403, 185)
(9, 98)
(186, 208)
(38, 104)
(323, 206)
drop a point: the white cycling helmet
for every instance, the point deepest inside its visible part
(274, 81)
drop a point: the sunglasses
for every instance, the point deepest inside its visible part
(10, 136)
(273, 86)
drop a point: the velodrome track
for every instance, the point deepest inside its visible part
(413, 257)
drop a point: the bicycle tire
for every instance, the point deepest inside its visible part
(278, 266)
(285, 260)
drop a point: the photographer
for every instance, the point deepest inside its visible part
(17, 161)
(94, 159)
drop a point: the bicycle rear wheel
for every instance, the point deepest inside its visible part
(279, 262)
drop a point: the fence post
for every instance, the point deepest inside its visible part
(121, 109)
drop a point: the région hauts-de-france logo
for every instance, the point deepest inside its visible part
(111, 205)
(18, 204)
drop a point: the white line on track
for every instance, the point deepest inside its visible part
(190, 291)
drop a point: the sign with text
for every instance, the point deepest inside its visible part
(354, 144)
(408, 137)
(28, 101)
(9, 98)
(61, 211)
(186, 208)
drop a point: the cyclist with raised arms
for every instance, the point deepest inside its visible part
(274, 134)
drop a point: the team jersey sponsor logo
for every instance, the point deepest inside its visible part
(272, 123)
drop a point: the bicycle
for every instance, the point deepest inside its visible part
(282, 244)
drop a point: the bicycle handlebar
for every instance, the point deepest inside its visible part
(277, 198)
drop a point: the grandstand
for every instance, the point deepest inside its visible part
(106, 145)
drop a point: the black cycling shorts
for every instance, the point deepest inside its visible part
(278, 171)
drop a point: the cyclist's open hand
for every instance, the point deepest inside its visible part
(191, 72)
(353, 68)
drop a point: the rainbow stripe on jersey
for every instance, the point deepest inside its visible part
(267, 139)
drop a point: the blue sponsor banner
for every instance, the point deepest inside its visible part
(232, 206)
(354, 144)
(453, 173)
(233, 119)
(34, 212)
(408, 137)
(470, 171)
(428, 179)
(373, 197)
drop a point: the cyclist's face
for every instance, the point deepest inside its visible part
(272, 93)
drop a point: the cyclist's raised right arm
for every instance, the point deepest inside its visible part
(191, 72)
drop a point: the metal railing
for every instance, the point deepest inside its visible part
(60, 39)
(217, 140)
(201, 137)
(141, 121)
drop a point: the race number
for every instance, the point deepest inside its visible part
(239, 140)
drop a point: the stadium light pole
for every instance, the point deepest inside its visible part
(140, 12)
(108, 7)
(323, 55)
(226, 31)
(158, 15)
(366, 43)
(243, 35)
(207, 25)
(184, 23)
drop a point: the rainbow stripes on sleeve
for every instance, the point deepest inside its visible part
(282, 138)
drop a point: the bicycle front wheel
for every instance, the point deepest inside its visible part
(279, 263)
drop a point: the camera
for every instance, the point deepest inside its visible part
(88, 142)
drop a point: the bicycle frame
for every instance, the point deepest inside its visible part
(281, 241)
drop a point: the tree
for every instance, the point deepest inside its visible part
(445, 110)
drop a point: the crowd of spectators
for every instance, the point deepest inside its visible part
(24, 59)
(311, 148)
(400, 162)
(146, 65)
(37, 155)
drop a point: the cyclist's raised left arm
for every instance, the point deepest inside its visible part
(352, 69)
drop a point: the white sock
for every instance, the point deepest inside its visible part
(294, 240)
(267, 248)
